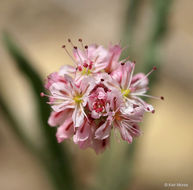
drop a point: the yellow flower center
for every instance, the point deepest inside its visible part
(77, 99)
(86, 71)
(125, 92)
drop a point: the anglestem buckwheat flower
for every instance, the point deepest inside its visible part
(96, 95)
(66, 95)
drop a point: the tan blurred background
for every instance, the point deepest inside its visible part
(165, 151)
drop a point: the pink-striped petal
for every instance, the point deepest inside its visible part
(65, 131)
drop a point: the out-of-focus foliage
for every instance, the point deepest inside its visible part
(122, 172)
(53, 155)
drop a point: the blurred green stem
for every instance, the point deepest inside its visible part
(122, 176)
(159, 27)
(16, 129)
(130, 22)
(157, 33)
(54, 156)
(15, 126)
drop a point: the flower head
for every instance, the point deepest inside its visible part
(98, 94)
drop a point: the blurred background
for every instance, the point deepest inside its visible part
(155, 32)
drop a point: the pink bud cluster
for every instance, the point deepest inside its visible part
(96, 95)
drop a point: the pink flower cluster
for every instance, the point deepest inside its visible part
(99, 93)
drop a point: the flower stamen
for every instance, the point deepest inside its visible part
(125, 92)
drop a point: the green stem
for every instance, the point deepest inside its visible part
(130, 22)
(56, 156)
(161, 10)
(22, 137)
(15, 127)
(159, 28)
(124, 174)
